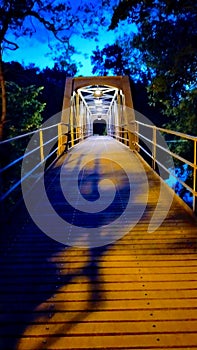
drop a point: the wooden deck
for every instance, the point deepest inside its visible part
(139, 292)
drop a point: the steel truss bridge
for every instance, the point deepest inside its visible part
(100, 253)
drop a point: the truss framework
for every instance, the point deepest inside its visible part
(101, 105)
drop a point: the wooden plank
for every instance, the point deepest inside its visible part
(72, 296)
(98, 328)
(115, 270)
(121, 260)
(107, 305)
(94, 315)
(86, 285)
(110, 341)
(106, 278)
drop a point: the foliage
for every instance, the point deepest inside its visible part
(119, 58)
(22, 17)
(166, 38)
(60, 18)
(24, 112)
(109, 59)
(39, 18)
(52, 79)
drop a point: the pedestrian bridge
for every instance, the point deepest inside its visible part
(101, 253)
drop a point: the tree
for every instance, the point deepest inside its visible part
(24, 114)
(119, 58)
(166, 38)
(109, 59)
(20, 18)
(24, 110)
(51, 79)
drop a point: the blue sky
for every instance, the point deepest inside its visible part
(35, 49)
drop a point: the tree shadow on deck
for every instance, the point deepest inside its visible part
(31, 280)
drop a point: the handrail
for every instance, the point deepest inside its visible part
(26, 134)
(61, 147)
(32, 151)
(121, 133)
(118, 132)
(25, 155)
(22, 179)
(153, 154)
(167, 131)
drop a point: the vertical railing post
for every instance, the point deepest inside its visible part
(154, 144)
(78, 129)
(71, 125)
(194, 175)
(41, 145)
(60, 143)
(81, 119)
(87, 119)
(137, 148)
(131, 134)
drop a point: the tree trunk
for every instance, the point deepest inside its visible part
(3, 97)
(2, 121)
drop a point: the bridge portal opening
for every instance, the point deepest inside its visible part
(99, 127)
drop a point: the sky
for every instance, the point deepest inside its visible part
(35, 49)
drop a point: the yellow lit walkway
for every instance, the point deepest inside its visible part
(137, 292)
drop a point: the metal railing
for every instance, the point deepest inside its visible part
(120, 134)
(147, 138)
(154, 145)
(141, 132)
(156, 148)
(44, 138)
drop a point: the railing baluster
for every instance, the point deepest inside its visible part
(59, 151)
(194, 175)
(72, 126)
(192, 189)
(41, 145)
(120, 133)
(154, 145)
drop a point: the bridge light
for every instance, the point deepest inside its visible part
(98, 102)
(97, 93)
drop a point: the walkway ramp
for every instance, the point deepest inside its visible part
(136, 292)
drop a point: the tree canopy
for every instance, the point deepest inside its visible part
(41, 18)
(161, 52)
(167, 41)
